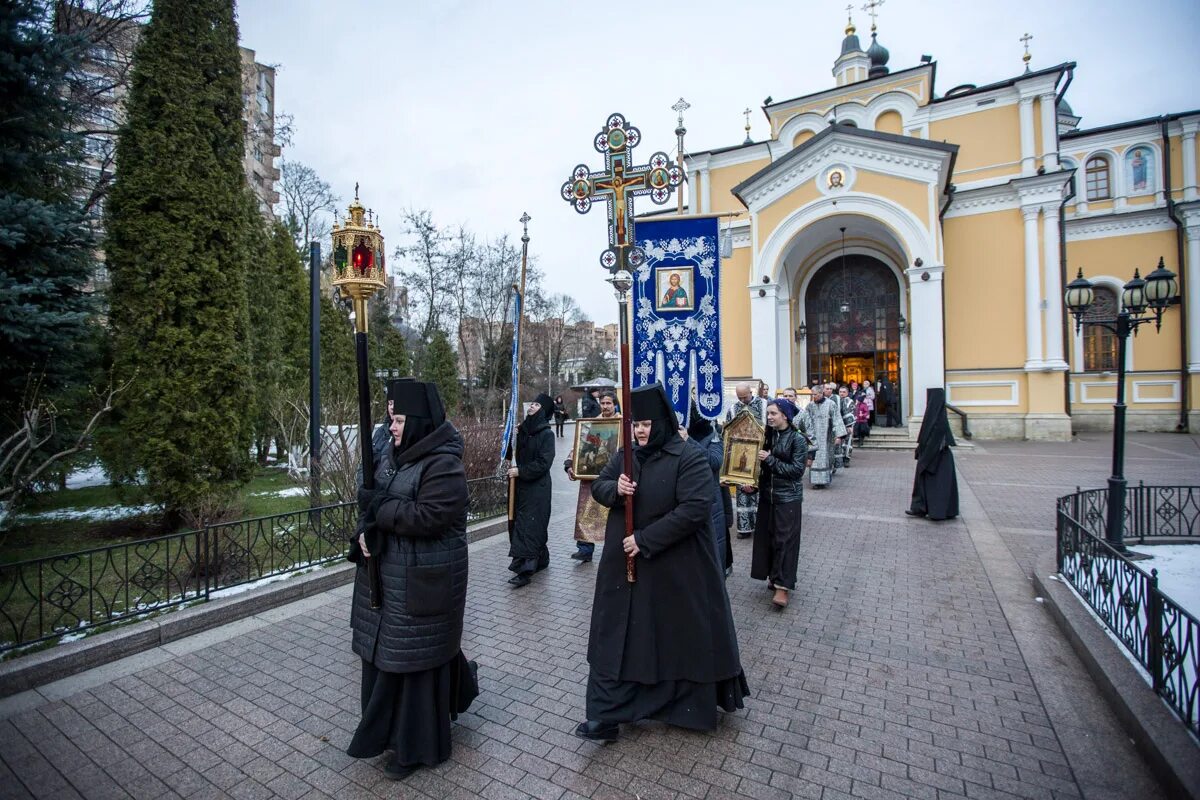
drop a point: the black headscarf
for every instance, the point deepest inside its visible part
(935, 428)
(651, 403)
(535, 422)
(422, 408)
(698, 428)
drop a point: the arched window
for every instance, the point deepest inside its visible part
(1073, 187)
(1099, 183)
(1100, 344)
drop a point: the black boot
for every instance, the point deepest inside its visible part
(598, 731)
(397, 771)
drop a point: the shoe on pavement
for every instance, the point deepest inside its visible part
(519, 580)
(598, 731)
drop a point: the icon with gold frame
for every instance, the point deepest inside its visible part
(743, 439)
(597, 439)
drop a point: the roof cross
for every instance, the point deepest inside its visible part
(1025, 40)
(870, 7)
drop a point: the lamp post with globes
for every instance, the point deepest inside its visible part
(1143, 300)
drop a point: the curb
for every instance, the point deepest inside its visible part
(64, 660)
(1155, 730)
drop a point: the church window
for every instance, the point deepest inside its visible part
(1100, 344)
(1099, 186)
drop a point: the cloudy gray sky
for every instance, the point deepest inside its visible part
(478, 110)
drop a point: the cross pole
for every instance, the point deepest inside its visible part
(871, 7)
(618, 184)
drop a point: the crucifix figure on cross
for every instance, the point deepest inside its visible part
(617, 184)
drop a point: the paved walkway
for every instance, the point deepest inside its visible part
(912, 663)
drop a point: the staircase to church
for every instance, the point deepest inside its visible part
(905, 437)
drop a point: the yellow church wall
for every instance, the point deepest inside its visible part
(773, 215)
(890, 122)
(981, 251)
(1144, 391)
(735, 312)
(986, 392)
(801, 138)
(1194, 392)
(1045, 392)
(985, 138)
(721, 182)
(917, 86)
(912, 195)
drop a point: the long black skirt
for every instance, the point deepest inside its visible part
(776, 554)
(681, 703)
(410, 712)
(935, 493)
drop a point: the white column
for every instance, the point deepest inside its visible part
(764, 338)
(1192, 284)
(1033, 292)
(1027, 145)
(705, 193)
(926, 331)
(1049, 132)
(1189, 166)
(693, 182)
(1054, 290)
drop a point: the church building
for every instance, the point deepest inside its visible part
(891, 228)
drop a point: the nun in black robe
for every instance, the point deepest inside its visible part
(663, 647)
(415, 678)
(531, 512)
(935, 486)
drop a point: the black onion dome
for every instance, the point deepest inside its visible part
(879, 56)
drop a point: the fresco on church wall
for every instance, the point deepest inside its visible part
(1139, 170)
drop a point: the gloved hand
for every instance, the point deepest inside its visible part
(365, 498)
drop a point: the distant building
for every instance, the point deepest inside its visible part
(100, 88)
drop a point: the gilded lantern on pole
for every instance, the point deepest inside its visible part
(358, 261)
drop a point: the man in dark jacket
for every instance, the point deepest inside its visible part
(591, 404)
(531, 519)
(664, 646)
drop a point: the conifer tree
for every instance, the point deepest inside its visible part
(179, 247)
(440, 367)
(46, 247)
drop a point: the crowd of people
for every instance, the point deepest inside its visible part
(662, 642)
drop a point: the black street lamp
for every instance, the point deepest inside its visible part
(1143, 300)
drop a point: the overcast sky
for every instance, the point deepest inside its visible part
(478, 110)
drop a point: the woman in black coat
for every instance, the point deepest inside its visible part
(780, 502)
(415, 679)
(663, 647)
(699, 433)
(560, 415)
(935, 485)
(531, 516)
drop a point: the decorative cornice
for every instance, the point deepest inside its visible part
(1001, 197)
(900, 159)
(1119, 225)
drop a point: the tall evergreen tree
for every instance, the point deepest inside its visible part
(440, 367)
(46, 247)
(179, 247)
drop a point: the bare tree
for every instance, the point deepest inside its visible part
(22, 458)
(308, 202)
(424, 249)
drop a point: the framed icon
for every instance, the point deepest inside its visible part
(596, 440)
(675, 289)
(743, 438)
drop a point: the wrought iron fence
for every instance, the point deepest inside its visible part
(1157, 631)
(64, 595)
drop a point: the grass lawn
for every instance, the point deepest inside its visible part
(33, 538)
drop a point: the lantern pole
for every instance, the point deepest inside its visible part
(314, 374)
(359, 273)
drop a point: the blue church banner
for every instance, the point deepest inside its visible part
(510, 419)
(676, 318)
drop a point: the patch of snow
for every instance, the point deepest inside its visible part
(99, 513)
(88, 476)
(300, 569)
(291, 491)
(1178, 568)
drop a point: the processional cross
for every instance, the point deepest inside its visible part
(618, 184)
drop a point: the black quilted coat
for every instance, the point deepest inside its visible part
(423, 521)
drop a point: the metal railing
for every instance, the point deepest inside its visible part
(966, 427)
(67, 594)
(1159, 633)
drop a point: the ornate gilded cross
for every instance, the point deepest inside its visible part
(617, 184)
(1025, 40)
(748, 139)
(870, 7)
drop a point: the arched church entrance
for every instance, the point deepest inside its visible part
(852, 311)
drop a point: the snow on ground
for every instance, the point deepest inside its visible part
(291, 491)
(88, 476)
(1178, 568)
(300, 569)
(92, 514)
